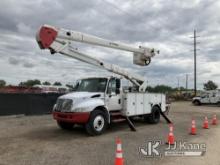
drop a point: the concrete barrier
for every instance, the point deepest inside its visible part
(27, 103)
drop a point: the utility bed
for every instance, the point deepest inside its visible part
(141, 103)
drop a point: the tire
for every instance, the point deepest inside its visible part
(97, 123)
(154, 117)
(196, 102)
(64, 125)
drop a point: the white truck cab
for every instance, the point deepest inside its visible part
(207, 97)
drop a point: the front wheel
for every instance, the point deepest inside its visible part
(154, 117)
(197, 102)
(97, 123)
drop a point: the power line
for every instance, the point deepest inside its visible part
(117, 8)
(142, 19)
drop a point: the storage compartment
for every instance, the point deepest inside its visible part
(141, 103)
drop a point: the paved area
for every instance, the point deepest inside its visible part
(37, 140)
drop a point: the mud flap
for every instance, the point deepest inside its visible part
(130, 124)
(166, 118)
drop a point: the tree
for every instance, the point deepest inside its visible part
(210, 85)
(2, 83)
(46, 83)
(30, 83)
(57, 83)
(160, 89)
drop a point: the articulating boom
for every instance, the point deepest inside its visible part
(58, 41)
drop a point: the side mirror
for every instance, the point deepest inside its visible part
(109, 91)
(118, 86)
(110, 94)
(117, 91)
(118, 83)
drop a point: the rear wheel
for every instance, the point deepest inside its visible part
(65, 125)
(97, 123)
(154, 117)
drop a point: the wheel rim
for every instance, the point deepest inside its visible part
(98, 123)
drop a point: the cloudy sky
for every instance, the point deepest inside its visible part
(166, 25)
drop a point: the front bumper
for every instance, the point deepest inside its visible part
(72, 117)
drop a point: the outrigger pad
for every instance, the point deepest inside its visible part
(166, 118)
(130, 124)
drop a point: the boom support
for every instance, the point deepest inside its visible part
(58, 41)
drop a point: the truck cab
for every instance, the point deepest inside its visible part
(101, 94)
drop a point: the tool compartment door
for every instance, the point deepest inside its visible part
(129, 104)
(133, 104)
(139, 109)
(141, 103)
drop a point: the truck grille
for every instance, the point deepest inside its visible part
(63, 105)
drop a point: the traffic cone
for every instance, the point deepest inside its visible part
(214, 120)
(206, 123)
(193, 128)
(170, 138)
(119, 156)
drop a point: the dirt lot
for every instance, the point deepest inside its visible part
(37, 140)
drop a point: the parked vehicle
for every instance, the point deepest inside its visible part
(52, 89)
(207, 97)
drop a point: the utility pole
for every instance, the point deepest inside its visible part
(195, 62)
(195, 75)
(178, 83)
(186, 81)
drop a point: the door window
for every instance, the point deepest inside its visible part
(112, 86)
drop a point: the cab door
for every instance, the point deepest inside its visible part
(113, 95)
(205, 99)
(213, 98)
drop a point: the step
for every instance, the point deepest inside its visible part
(118, 120)
(115, 113)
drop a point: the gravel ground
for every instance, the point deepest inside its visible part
(37, 140)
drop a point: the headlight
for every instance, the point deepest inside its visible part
(64, 105)
(54, 107)
(67, 105)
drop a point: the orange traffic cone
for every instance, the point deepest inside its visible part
(193, 128)
(119, 156)
(170, 138)
(206, 123)
(214, 120)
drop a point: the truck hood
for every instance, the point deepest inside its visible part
(77, 95)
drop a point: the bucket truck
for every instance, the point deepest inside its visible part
(98, 101)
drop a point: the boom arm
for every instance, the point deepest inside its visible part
(74, 53)
(58, 41)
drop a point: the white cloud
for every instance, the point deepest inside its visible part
(22, 28)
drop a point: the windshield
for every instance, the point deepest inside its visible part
(91, 85)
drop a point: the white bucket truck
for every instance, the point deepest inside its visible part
(98, 101)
